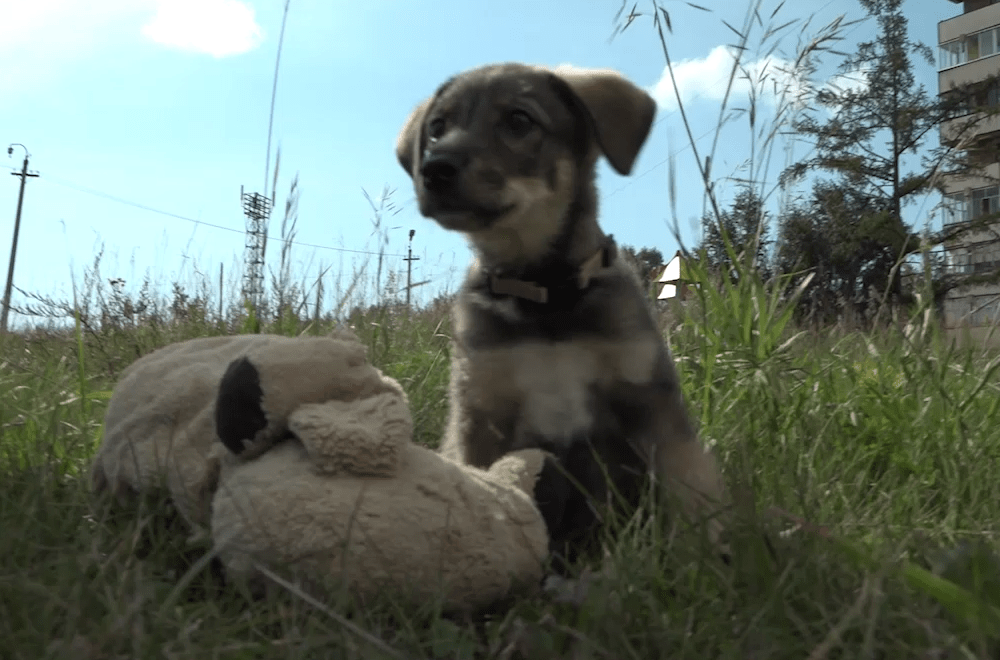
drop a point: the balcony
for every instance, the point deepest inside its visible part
(986, 177)
(969, 205)
(970, 72)
(968, 23)
(971, 129)
(969, 269)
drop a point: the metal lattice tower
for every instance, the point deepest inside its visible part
(257, 209)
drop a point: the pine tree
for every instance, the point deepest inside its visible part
(870, 133)
(746, 225)
(648, 262)
(847, 243)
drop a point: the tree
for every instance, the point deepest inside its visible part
(869, 132)
(847, 242)
(648, 263)
(746, 225)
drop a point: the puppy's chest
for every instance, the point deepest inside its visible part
(552, 389)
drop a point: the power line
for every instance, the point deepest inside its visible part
(659, 164)
(151, 209)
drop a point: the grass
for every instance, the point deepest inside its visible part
(865, 459)
(887, 442)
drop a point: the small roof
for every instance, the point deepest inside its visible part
(669, 291)
(672, 272)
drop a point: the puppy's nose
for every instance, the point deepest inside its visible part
(440, 169)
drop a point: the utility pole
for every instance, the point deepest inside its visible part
(17, 229)
(409, 268)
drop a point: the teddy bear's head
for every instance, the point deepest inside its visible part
(260, 391)
(364, 434)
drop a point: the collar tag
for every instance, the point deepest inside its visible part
(591, 267)
(506, 286)
(509, 286)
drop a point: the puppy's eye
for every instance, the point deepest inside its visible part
(436, 128)
(518, 123)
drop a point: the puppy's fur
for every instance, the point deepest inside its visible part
(554, 342)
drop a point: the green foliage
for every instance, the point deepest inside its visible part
(875, 114)
(848, 243)
(648, 263)
(742, 229)
(250, 324)
(865, 460)
(870, 128)
(882, 445)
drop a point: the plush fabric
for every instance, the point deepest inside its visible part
(321, 476)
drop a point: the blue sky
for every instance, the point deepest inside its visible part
(164, 104)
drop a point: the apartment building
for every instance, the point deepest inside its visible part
(969, 49)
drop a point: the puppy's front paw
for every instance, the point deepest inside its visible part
(563, 496)
(560, 445)
(575, 590)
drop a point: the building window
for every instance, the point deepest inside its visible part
(958, 208)
(972, 47)
(969, 48)
(987, 43)
(952, 54)
(975, 97)
(982, 96)
(955, 208)
(985, 201)
(976, 259)
(983, 310)
(957, 262)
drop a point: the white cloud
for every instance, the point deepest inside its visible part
(771, 79)
(44, 25)
(854, 81)
(49, 38)
(706, 79)
(846, 83)
(843, 84)
(215, 27)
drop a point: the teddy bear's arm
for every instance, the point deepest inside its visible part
(238, 412)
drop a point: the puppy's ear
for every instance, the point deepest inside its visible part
(622, 113)
(408, 141)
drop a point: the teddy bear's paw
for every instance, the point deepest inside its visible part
(239, 416)
(361, 438)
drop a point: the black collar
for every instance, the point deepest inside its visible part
(545, 289)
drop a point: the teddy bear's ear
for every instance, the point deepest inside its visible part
(238, 412)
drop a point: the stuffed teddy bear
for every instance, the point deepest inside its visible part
(297, 454)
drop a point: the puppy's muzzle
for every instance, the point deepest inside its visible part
(440, 170)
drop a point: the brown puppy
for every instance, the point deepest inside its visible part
(554, 342)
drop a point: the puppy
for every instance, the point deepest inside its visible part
(554, 342)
